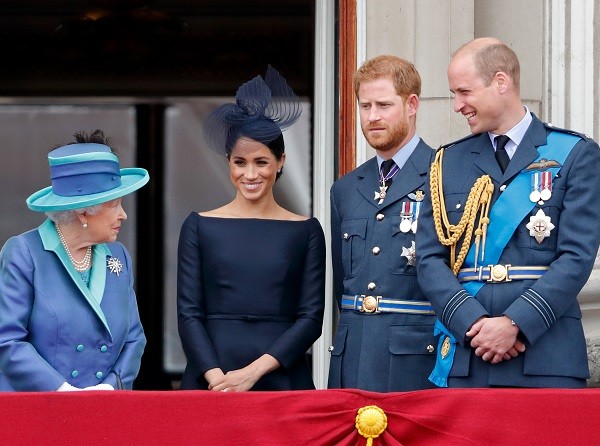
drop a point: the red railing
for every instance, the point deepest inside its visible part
(446, 417)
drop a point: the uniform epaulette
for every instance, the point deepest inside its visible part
(552, 127)
(450, 144)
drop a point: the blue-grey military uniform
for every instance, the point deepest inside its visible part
(545, 307)
(381, 350)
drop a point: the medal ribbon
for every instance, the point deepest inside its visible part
(535, 182)
(393, 171)
(547, 180)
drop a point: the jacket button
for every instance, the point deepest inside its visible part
(104, 349)
(376, 250)
(80, 348)
(380, 217)
(99, 375)
(74, 373)
(371, 286)
(346, 236)
(330, 348)
(430, 348)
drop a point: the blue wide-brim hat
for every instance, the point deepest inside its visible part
(85, 175)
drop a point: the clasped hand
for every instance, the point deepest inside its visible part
(239, 380)
(495, 339)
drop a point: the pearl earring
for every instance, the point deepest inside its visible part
(85, 225)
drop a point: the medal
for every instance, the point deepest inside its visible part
(405, 225)
(406, 216)
(546, 192)
(539, 226)
(534, 196)
(410, 254)
(381, 194)
(382, 186)
(413, 226)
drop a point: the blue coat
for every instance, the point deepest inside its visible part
(53, 328)
(550, 322)
(385, 351)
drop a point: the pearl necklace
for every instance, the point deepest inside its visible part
(82, 265)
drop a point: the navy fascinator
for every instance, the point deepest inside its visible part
(262, 110)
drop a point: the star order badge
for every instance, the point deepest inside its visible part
(381, 194)
(410, 254)
(114, 265)
(539, 226)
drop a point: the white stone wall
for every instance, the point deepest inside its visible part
(558, 44)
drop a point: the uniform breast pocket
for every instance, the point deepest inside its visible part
(455, 204)
(353, 245)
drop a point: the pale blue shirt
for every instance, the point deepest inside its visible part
(515, 134)
(402, 155)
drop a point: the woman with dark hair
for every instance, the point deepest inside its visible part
(68, 311)
(251, 274)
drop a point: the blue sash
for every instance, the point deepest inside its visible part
(506, 214)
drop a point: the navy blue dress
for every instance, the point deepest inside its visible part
(246, 287)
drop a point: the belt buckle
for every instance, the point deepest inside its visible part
(370, 304)
(499, 273)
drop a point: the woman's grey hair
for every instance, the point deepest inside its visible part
(70, 216)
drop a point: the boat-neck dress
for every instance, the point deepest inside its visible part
(246, 287)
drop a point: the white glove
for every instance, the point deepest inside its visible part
(66, 387)
(102, 386)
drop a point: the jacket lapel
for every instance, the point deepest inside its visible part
(527, 152)
(410, 178)
(52, 243)
(368, 182)
(412, 175)
(485, 157)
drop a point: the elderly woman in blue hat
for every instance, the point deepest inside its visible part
(68, 311)
(251, 274)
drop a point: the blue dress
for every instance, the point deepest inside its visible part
(246, 287)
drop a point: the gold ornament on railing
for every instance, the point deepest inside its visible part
(371, 421)
(478, 202)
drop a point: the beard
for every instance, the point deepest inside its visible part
(388, 140)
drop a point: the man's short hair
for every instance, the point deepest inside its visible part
(402, 73)
(490, 55)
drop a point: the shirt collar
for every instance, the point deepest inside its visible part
(515, 134)
(403, 153)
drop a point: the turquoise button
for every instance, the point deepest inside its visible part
(80, 348)
(103, 349)
(99, 375)
(74, 373)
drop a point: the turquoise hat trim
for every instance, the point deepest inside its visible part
(95, 156)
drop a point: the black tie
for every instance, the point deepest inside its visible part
(386, 166)
(501, 155)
